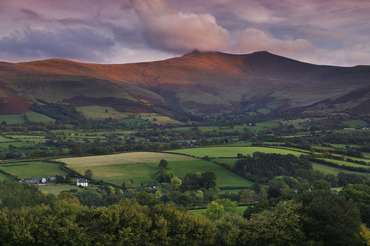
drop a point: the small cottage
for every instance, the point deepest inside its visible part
(82, 182)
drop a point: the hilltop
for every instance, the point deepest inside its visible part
(200, 83)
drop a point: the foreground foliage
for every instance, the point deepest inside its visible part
(309, 218)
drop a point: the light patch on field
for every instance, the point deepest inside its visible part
(124, 158)
(217, 152)
(158, 119)
(141, 166)
(56, 189)
(97, 112)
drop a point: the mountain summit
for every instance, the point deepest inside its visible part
(196, 82)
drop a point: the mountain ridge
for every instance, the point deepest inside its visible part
(198, 82)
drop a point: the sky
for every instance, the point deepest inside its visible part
(331, 32)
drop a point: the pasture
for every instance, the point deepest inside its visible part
(216, 152)
(158, 119)
(5, 139)
(331, 170)
(32, 169)
(3, 176)
(98, 112)
(15, 144)
(21, 118)
(56, 189)
(260, 126)
(141, 166)
(344, 163)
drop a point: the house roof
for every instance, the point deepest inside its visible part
(82, 181)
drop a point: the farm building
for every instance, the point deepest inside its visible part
(82, 182)
(33, 180)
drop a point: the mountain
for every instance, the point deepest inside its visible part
(210, 82)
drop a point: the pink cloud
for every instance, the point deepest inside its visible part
(171, 29)
(252, 39)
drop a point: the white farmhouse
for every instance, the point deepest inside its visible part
(82, 182)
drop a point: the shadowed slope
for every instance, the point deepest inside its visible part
(203, 82)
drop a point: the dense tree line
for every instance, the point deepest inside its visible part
(309, 218)
(64, 113)
(264, 167)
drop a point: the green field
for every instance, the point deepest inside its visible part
(332, 170)
(56, 189)
(20, 118)
(255, 128)
(32, 169)
(15, 144)
(3, 176)
(231, 151)
(142, 165)
(97, 112)
(355, 123)
(5, 139)
(345, 163)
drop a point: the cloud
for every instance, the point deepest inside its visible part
(31, 15)
(173, 30)
(81, 44)
(252, 39)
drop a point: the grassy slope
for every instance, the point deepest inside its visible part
(142, 165)
(20, 119)
(231, 151)
(5, 139)
(97, 112)
(56, 189)
(3, 176)
(32, 169)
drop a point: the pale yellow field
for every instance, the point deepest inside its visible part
(97, 112)
(81, 163)
(160, 119)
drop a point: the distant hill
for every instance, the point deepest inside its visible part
(199, 83)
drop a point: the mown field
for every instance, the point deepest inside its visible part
(215, 152)
(141, 166)
(32, 169)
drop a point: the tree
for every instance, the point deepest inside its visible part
(214, 211)
(280, 226)
(360, 194)
(208, 180)
(88, 174)
(332, 220)
(229, 206)
(191, 181)
(127, 185)
(274, 191)
(163, 176)
(176, 183)
(163, 164)
(247, 196)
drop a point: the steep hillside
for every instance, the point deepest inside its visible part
(197, 82)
